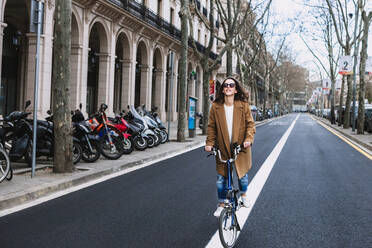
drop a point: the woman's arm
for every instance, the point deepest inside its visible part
(211, 131)
(249, 124)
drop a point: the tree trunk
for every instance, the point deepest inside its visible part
(265, 97)
(229, 62)
(362, 72)
(340, 109)
(348, 101)
(183, 72)
(206, 100)
(61, 91)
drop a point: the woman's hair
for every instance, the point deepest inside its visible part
(241, 94)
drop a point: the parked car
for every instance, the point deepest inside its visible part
(368, 119)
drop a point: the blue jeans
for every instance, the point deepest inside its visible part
(222, 186)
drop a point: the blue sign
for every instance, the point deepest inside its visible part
(192, 108)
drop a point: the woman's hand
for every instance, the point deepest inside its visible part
(247, 144)
(208, 148)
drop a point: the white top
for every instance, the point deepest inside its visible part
(229, 113)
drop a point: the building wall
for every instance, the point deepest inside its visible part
(111, 25)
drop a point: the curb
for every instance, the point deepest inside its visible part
(44, 191)
(361, 143)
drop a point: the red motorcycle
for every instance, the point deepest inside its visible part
(121, 124)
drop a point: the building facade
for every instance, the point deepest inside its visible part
(120, 55)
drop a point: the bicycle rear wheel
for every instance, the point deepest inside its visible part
(4, 164)
(228, 228)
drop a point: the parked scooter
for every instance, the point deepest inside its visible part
(160, 128)
(140, 120)
(151, 123)
(47, 127)
(111, 144)
(121, 124)
(90, 143)
(135, 129)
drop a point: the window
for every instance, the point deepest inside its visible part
(171, 16)
(205, 40)
(199, 35)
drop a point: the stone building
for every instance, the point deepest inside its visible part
(119, 55)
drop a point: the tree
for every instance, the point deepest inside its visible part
(339, 13)
(61, 91)
(239, 11)
(325, 24)
(183, 71)
(366, 19)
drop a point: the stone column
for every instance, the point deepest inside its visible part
(103, 79)
(2, 26)
(160, 91)
(144, 99)
(44, 98)
(75, 76)
(126, 83)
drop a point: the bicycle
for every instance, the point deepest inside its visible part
(5, 168)
(228, 225)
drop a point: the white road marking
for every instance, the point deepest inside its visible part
(278, 123)
(256, 185)
(90, 183)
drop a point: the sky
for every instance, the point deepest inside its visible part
(284, 9)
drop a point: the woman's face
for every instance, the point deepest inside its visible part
(229, 87)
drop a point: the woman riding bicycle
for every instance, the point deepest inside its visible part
(230, 121)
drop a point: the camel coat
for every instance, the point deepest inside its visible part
(243, 130)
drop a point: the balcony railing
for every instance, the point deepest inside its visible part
(142, 12)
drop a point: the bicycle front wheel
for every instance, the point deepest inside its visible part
(4, 164)
(228, 228)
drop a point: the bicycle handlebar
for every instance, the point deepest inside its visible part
(216, 151)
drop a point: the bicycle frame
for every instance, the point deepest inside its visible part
(232, 194)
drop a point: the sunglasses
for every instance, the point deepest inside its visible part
(231, 85)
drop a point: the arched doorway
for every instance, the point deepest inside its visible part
(76, 52)
(157, 79)
(141, 75)
(16, 16)
(97, 71)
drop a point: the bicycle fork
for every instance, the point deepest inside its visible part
(233, 195)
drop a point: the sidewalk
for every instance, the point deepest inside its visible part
(364, 140)
(22, 188)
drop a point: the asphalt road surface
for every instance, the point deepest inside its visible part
(318, 194)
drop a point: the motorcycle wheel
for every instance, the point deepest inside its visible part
(127, 146)
(10, 174)
(91, 156)
(139, 143)
(77, 152)
(158, 139)
(111, 151)
(151, 141)
(164, 136)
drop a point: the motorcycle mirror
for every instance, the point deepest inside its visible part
(80, 106)
(49, 112)
(28, 103)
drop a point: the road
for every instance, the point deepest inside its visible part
(318, 194)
